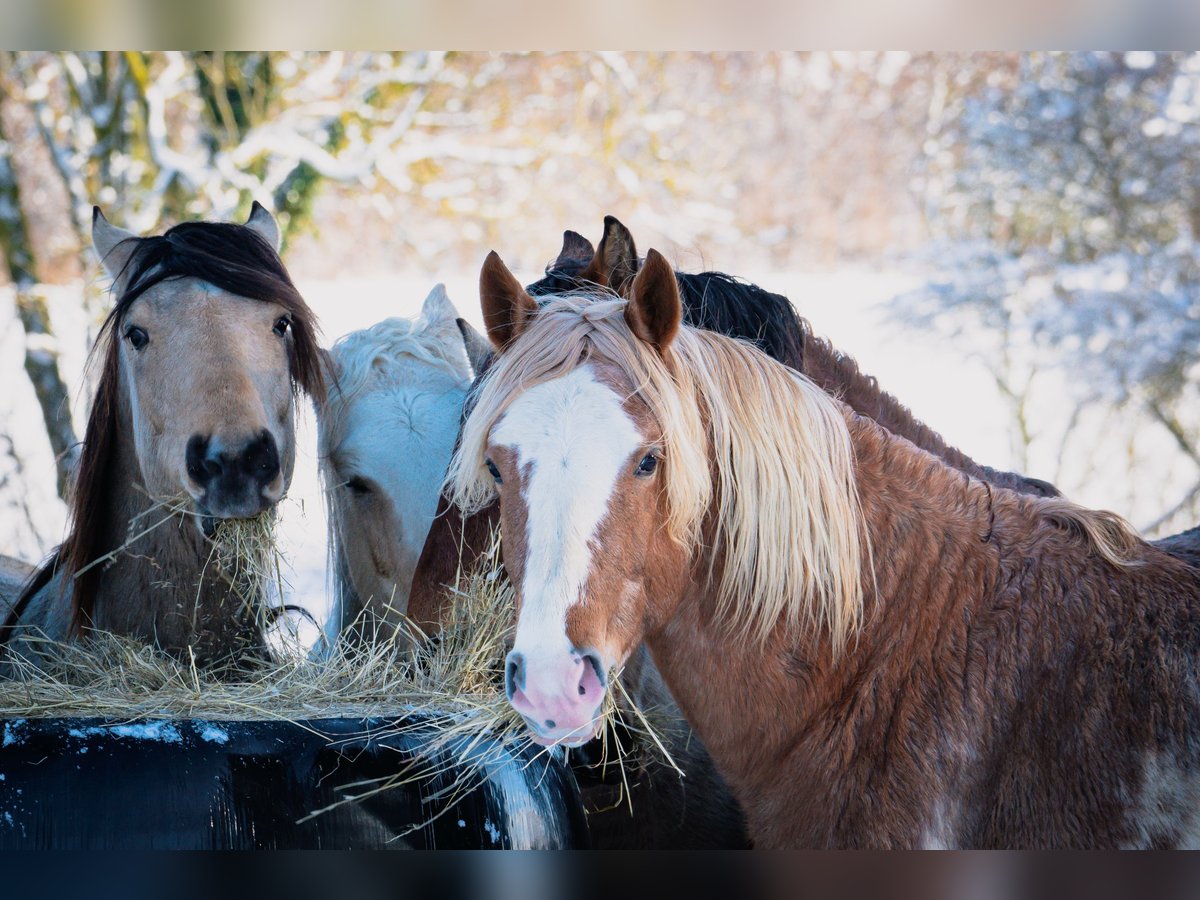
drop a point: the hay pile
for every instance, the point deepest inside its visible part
(451, 686)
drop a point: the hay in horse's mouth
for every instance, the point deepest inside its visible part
(453, 683)
(245, 554)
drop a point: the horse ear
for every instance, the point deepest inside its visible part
(479, 351)
(507, 308)
(114, 246)
(616, 259)
(262, 222)
(438, 306)
(576, 250)
(330, 372)
(654, 310)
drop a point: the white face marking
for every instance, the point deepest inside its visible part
(572, 437)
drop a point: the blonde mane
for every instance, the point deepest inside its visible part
(754, 442)
(363, 356)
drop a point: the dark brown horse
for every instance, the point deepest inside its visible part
(193, 422)
(877, 649)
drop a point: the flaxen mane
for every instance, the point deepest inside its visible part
(727, 305)
(785, 529)
(231, 257)
(789, 531)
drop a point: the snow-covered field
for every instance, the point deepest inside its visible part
(1133, 471)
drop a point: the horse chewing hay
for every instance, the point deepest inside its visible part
(936, 662)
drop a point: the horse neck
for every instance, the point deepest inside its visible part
(453, 548)
(805, 706)
(162, 586)
(840, 376)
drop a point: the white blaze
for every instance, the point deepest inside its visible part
(571, 437)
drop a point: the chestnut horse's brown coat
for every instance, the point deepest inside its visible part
(1008, 688)
(1025, 671)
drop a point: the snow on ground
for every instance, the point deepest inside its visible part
(957, 398)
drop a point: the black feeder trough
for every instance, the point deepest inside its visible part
(206, 784)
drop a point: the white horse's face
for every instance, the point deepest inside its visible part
(386, 436)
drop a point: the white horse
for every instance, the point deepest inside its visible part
(385, 435)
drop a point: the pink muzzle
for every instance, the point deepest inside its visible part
(560, 696)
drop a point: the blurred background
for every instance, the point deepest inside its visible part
(1008, 242)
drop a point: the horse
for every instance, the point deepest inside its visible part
(201, 361)
(670, 811)
(385, 432)
(877, 649)
(717, 302)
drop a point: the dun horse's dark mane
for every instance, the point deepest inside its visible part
(231, 257)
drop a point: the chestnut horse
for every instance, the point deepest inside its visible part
(201, 360)
(716, 302)
(877, 649)
(669, 811)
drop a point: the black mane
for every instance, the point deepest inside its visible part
(716, 302)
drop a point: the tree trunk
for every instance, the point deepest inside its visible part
(41, 345)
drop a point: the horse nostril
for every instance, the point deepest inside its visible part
(592, 658)
(514, 673)
(196, 457)
(260, 458)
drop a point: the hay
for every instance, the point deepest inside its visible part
(450, 687)
(246, 556)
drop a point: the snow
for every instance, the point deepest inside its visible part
(166, 732)
(214, 734)
(12, 733)
(492, 830)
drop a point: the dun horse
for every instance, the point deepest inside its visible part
(385, 434)
(201, 360)
(877, 649)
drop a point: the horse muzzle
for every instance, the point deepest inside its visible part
(233, 479)
(561, 697)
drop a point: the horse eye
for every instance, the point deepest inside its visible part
(358, 487)
(281, 325)
(137, 337)
(647, 466)
(495, 472)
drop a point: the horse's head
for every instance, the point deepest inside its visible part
(565, 430)
(208, 341)
(612, 264)
(394, 405)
